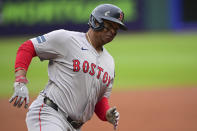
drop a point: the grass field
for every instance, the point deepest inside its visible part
(142, 60)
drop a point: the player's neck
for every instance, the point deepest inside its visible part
(93, 41)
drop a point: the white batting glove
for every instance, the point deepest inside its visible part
(21, 93)
(113, 117)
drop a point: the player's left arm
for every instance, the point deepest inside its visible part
(105, 113)
(103, 110)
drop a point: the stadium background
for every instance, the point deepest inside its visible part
(156, 55)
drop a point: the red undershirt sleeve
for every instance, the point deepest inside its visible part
(101, 108)
(24, 55)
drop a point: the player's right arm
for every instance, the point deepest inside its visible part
(24, 56)
(46, 47)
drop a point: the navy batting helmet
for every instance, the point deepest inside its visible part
(106, 12)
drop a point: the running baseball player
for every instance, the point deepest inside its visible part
(80, 71)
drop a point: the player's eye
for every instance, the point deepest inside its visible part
(107, 28)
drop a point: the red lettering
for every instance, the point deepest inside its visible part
(109, 80)
(76, 66)
(105, 77)
(92, 72)
(85, 66)
(99, 72)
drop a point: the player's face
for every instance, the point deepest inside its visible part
(109, 31)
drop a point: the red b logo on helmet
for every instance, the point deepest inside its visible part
(121, 16)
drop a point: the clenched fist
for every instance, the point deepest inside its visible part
(113, 116)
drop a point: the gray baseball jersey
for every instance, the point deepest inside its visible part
(79, 76)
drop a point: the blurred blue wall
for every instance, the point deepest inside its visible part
(41, 16)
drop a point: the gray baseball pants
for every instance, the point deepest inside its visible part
(41, 117)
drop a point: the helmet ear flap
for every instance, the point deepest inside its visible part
(95, 24)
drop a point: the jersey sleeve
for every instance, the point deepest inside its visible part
(51, 45)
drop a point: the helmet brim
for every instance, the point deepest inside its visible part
(121, 24)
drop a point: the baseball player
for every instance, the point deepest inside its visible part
(80, 71)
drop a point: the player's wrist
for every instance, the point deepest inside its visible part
(20, 75)
(19, 69)
(21, 79)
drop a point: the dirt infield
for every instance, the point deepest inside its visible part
(156, 110)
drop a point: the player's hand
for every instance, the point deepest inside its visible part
(113, 116)
(21, 94)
